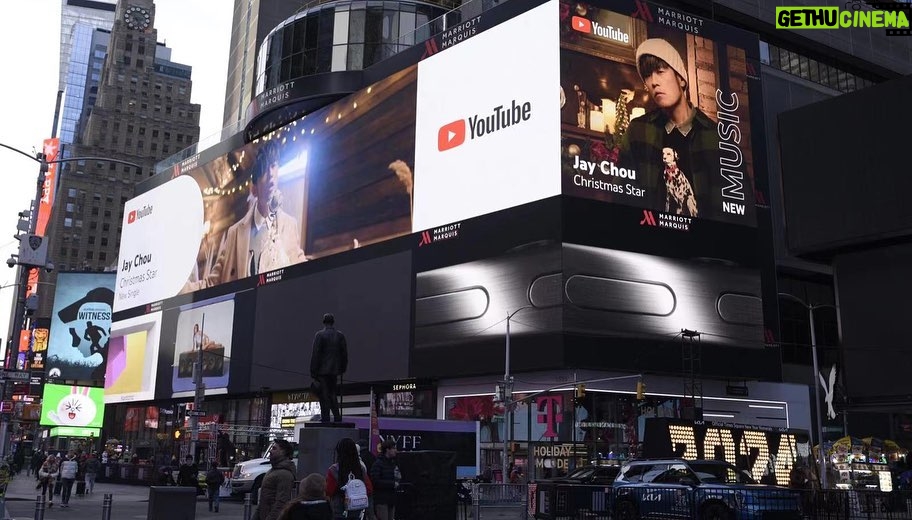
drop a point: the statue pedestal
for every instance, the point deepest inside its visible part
(317, 445)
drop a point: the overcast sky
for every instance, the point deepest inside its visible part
(198, 33)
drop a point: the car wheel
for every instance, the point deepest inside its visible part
(627, 510)
(255, 491)
(716, 512)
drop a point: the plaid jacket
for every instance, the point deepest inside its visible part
(641, 149)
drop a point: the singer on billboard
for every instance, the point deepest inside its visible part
(675, 145)
(264, 239)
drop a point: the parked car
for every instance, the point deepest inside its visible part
(248, 476)
(703, 489)
(599, 475)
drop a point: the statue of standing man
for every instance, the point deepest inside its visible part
(328, 361)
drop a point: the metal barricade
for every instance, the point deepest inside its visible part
(106, 506)
(39, 507)
(505, 501)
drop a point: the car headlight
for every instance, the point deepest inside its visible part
(244, 475)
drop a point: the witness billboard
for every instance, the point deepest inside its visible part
(80, 326)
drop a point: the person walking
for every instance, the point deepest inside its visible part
(68, 469)
(214, 480)
(38, 459)
(92, 466)
(328, 361)
(311, 503)
(47, 476)
(278, 484)
(188, 474)
(385, 476)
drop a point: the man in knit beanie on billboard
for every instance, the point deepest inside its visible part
(676, 124)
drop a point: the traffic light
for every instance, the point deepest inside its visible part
(580, 391)
(641, 390)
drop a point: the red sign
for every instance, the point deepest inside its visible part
(51, 149)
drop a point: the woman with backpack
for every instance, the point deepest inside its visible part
(348, 485)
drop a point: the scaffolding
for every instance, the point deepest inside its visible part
(234, 431)
(692, 367)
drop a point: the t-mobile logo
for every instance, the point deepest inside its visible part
(453, 134)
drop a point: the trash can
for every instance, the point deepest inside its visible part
(172, 502)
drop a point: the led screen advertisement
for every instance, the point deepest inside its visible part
(414, 151)
(486, 129)
(65, 405)
(204, 334)
(80, 326)
(338, 179)
(131, 370)
(655, 111)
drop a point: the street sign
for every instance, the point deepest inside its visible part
(196, 413)
(14, 375)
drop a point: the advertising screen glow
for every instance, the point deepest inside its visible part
(80, 326)
(656, 113)
(65, 405)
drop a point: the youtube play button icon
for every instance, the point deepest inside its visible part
(451, 135)
(581, 24)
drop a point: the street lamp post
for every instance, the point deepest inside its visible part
(508, 396)
(810, 310)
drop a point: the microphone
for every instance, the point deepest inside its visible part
(275, 201)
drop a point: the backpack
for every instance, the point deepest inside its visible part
(355, 494)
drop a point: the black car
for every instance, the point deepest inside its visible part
(598, 475)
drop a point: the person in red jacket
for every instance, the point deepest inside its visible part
(347, 463)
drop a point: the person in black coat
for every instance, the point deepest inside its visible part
(311, 504)
(386, 476)
(328, 361)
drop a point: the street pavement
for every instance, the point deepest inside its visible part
(128, 503)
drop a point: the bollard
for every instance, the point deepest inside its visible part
(39, 507)
(106, 507)
(247, 506)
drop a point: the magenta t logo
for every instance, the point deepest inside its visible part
(549, 408)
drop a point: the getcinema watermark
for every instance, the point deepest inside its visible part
(835, 18)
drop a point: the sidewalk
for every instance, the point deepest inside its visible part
(128, 501)
(22, 487)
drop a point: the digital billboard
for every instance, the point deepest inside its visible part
(411, 152)
(338, 179)
(131, 370)
(65, 405)
(655, 111)
(486, 129)
(80, 326)
(204, 334)
(371, 302)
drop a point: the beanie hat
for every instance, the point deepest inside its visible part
(663, 50)
(313, 487)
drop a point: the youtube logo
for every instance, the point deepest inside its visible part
(131, 217)
(451, 135)
(581, 24)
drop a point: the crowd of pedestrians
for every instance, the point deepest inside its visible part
(57, 474)
(350, 489)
